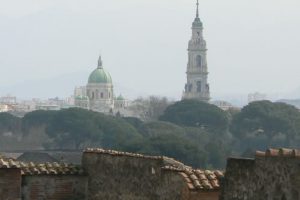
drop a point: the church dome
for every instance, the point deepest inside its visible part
(120, 98)
(99, 75)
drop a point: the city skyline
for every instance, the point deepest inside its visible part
(43, 41)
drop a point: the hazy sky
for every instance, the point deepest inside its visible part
(253, 45)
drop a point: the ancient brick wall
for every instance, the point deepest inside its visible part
(270, 177)
(54, 187)
(122, 177)
(212, 195)
(107, 175)
(173, 187)
(10, 184)
(239, 173)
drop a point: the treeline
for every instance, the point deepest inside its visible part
(196, 133)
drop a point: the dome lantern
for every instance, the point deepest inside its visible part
(100, 62)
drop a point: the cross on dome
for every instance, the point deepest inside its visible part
(100, 62)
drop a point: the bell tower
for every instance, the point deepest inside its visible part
(197, 86)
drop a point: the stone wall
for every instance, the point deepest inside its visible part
(127, 178)
(212, 195)
(182, 191)
(172, 186)
(274, 175)
(10, 184)
(54, 187)
(107, 175)
(118, 175)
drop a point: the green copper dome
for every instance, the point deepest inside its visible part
(120, 97)
(99, 75)
(81, 98)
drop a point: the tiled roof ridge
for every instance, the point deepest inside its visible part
(281, 152)
(47, 168)
(167, 160)
(197, 179)
(128, 154)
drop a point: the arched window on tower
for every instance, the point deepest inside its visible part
(97, 94)
(190, 87)
(198, 86)
(101, 95)
(93, 95)
(199, 61)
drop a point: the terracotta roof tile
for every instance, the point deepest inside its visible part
(197, 184)
(3, 163)
(187, 180)
(260, 154)
(190, 186)
(201, 180)
(168, 161)
(41, 169)
(272, 152)
(296, 153)
(202, 176)
(183, 174)
(282, 152)
(119, 153)
(219, 174)
(194, 177)
(215, 183)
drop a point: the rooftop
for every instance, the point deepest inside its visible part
(282, 152)
(197, 179)
(47, 168)
(167, 160)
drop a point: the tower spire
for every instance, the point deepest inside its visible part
(197, 13)
(100, 62)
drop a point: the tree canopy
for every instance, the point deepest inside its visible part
(77, 128)
(9, 122)
(193, 132)
(196, 113)
(267, 122)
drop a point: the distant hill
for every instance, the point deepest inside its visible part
(60, 86)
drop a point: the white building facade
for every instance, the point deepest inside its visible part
(98, 94)
(99, 90)
(197, 86)
(252, 97)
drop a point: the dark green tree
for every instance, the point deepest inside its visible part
(36, 118)
(265, 122)
(9, 123)
(78, 128)
(72, 128)
(164, 138)
(197, 114)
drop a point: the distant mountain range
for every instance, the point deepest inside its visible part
(61, 86)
